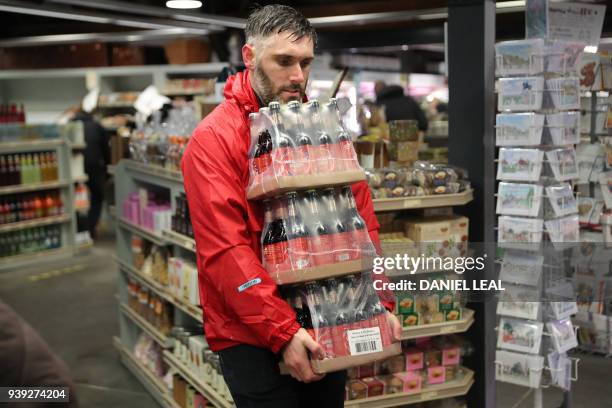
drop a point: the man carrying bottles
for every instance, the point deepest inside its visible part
(245, 319)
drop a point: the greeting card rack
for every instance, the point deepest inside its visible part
(595, 204)
(536, 133)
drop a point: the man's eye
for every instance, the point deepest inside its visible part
(306, 64)
(285, 62)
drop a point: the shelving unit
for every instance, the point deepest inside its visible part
(143, 232)
(440, 329)
(158, 336)
(153, 384)
(205, 389)
(58, 140)
(418, 202)
(455, 388)
(179, 239)
(37, 222)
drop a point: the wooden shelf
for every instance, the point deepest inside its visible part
(158, 336)
(439, 329)
(36, 222)
(194, 311)
(25, 188)
(151, 382)
(449, 389)
(143, 232)
(179, 239)
(413, 203)
(205, 389)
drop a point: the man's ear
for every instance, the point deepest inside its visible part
(248, 56)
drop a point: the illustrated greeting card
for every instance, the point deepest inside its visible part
(518, 368)
(521, 267)
(564, 128)
(522, 57)
(563, 163)
(518, 129)
(519, 335)
(520, 94)
(519, 199)
(520, 164)
(562, 334)
(564, 92)
(519, 301)
(562, 199)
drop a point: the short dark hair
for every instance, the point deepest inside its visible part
(277, 18)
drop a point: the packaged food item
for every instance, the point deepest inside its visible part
(412, 382)
(436, 375)
(357, 390)
(375, 386)
(414, 359)
(393, 385)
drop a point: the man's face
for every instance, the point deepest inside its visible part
(281, 68)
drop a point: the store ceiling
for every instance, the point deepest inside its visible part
(379, 27)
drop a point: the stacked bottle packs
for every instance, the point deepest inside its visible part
(298, 146)
(345, 316)
(314, 234)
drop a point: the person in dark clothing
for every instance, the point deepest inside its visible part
(399, 106)
(27, 361)
(97, 157)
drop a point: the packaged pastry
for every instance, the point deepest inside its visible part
(393, 385)
(391, 365)
(366, 370)
(412, 382)
(433, 357)
(375, 386)
(411, 319)
(414, 359)
(357, 390)
(436, 375)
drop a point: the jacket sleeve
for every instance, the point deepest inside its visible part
(363, 199)
(229, 265)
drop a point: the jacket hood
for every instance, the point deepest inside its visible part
(238, 88)
(390, 91)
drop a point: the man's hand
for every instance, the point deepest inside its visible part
(394, 326)
(296, 359)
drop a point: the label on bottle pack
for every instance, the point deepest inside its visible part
(299, 254)
(323, 158)
(321, 247)
(360, 243)
(301, 160)
(281, 160)
(339, 340)
(275, 257)
(324, 337)
(341, 245)
(347, 154)
(364, 341)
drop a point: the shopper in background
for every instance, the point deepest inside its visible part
(252, 328)
(27, 361)
(398, 105)
(97, 157)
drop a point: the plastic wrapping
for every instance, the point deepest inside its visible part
(313, 235)
(422, 179)
(345, 316)
(297, 146)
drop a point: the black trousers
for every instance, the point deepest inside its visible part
(253, 377)
(95, 183)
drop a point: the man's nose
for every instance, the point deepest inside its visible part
(296, 75)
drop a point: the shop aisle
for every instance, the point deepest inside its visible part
(72, 304)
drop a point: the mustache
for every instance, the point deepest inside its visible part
(292, 88)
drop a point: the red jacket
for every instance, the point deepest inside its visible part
(227, 229)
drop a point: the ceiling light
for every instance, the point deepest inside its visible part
(183, 4)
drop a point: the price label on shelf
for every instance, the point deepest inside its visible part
(412, 203)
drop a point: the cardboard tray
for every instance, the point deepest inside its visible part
(336, 364)
(323, 271)
(278, 185)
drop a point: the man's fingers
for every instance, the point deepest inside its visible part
(315, 348)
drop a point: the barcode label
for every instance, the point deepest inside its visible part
(364, 341)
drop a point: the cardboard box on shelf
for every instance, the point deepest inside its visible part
(122, 55)
(187, 51)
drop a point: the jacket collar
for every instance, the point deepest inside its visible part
(238, 87)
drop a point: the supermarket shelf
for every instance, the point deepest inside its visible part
(24, 188)
(31, 145)
(159, 338)
(153, 384)
(11, 262)
(428, 393)
(185, 92)
(37, 222)
(81, 179)
(438, 329)
(158, 288)
(137, 229)
(206, 390)
(78, 146)
(441, 200)
(194, 311)
(179, 239)
(153, 170)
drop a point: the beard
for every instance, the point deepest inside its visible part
(267, 92)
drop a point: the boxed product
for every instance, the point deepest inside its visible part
(412, 382)
(298, 146)
(375, 386)
(356, 390)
